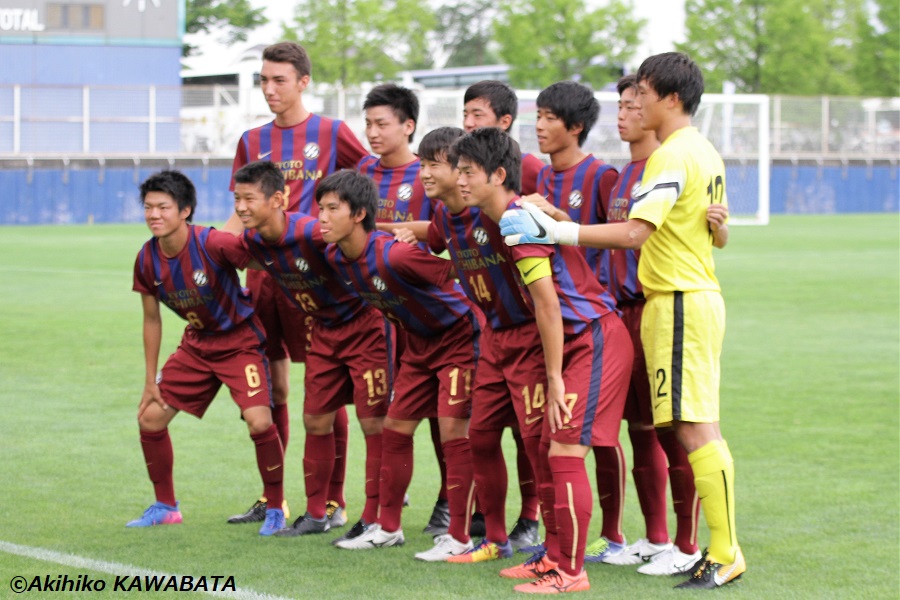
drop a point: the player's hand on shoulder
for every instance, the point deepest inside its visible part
(405, 235)
(528, 224)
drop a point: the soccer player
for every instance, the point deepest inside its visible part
(510, 380)
(351, 343)
(391, 113)
(587, 356)
(650, 448)
(192, 270)
(578, 186)
(491, 103)
(306, 147)
(683, 324)
(415, 290)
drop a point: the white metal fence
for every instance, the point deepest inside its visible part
(178, 122)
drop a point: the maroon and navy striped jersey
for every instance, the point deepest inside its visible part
(410, 286)
(582, 191)
(618, 269)
(531, 169)
(401, 197)
(483, 266)
(297, 263)
(582, 298)
(200, 284)
(305, 153)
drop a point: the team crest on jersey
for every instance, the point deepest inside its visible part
(576, 199)
(301, 264)
(311, 151)
(379, 284)
(636, 190)
(200, 278)
(404, 192)
(481, 236)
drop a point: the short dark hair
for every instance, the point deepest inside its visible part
(500, 97)
(265, 173)
(490, 149)
(177, 185)
(289, 52)
(674, 73)
(436, 144)
(402, 101)
(355, 189)
(625, 82)
(572, 102)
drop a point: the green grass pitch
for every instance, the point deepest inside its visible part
(811, 375)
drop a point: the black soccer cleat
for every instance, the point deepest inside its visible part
(709, 575)
(440, 519)
(255, 514)
(524, 534)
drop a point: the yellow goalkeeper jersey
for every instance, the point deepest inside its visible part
(682, 178)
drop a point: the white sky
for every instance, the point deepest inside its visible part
(665, 26)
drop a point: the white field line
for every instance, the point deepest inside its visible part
(111, 568)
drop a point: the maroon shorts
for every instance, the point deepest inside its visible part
(436, 373)
(510, 381)
(287, 326)
(638, 407)
(351, 363)
(192, 376)
(596, 370)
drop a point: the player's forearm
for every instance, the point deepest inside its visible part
(419, 228)
(548, 317)
(720, 236)
(152, 343)
(629, 235)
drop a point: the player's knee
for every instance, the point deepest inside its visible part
(374, 426)
(318, 424)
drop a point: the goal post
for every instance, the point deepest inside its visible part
(736, 124)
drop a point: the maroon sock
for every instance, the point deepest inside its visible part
(460, 487)
(282, 422)
(318, 464)
(611, 489)
(157, 447)
(527, 482)
(270, 461)
(396, 473)
(439, 454)
(339, 473)
(573, 510)
(685, 501)
(547, 494)
(650, 477)
(374, 449)
(490, 480)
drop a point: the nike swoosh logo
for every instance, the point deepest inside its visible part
(157, 282)
(541, 231)
(370, 403)
(453, 402)
(528, 272)
(262, 155)
(252, 393)
(530, 420)
(452, 487)
(348, 282)
(270, 469)
(269, 263)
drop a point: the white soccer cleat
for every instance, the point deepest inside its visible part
(670, 562)
(374, 537)
(445, 546)
(637, 553)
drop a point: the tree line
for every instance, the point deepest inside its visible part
(796, 47)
